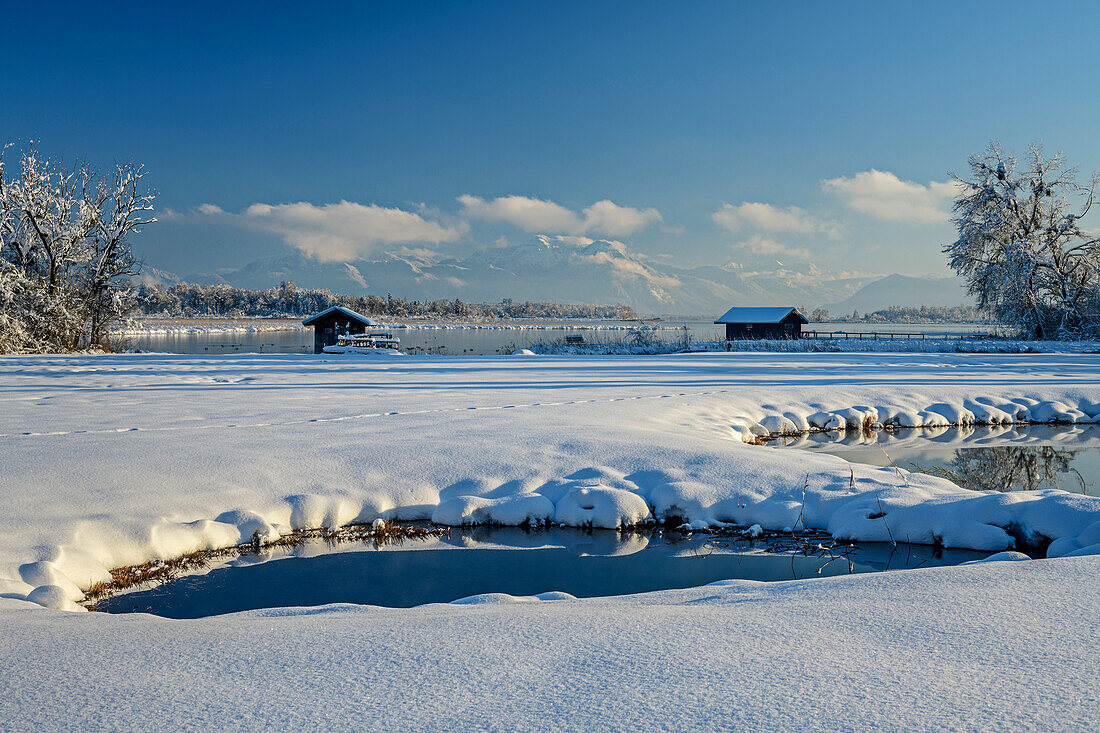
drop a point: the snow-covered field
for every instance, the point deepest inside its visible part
(112, 460)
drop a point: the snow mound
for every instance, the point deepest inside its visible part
(961, 412)
(250, 524)
(1008, 555)
(308, 511)
(601, 506)
(46, 574)
(369, 352)
(1086, 542)
(523, 352)
(55, 597)
(511, 510)
(483, 599)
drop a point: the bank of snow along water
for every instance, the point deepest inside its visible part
(145, 457)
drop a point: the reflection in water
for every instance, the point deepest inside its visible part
(1012, 468)
(990, 458)
(500, 560)
(443, 340)
(452, 341)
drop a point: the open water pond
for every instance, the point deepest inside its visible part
(502, 560)
(989, 458)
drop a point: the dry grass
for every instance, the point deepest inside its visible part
(156, 572)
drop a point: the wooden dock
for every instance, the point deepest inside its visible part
(890, 335)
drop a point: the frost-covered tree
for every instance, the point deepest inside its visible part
(65, 259)
(1021, 246)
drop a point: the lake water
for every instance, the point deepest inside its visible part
(501, 560)
(1005, 458)
(490, 339)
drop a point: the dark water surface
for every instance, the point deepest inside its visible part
(502, 560)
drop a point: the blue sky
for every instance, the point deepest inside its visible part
(702, 123)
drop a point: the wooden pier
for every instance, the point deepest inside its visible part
(890, 335)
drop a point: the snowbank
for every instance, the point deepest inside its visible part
(488, 598)
(117, 460)
(965, 413)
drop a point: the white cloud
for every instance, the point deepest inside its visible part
(768, 218)
(529, 214)
(539, 215)
(883, 195)
(766, 246)
(577, 240)
(342, 231)
(609, 218)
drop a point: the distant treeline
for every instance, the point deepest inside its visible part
(907, 314)
(186, 300)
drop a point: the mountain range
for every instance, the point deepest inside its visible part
(904, 290)
(580, 271)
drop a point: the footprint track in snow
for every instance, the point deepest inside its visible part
(339, 418)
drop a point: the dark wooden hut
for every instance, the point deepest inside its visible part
(333, 322)
(763, 323)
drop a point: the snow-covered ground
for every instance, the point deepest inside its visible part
(998, 646)
(112, 460)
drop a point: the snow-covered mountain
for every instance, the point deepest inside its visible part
(564, 269)
(905, 291)
(152, 276)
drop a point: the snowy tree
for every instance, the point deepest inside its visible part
(1021, 247)
(65, 259)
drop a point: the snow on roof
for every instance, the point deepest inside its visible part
(349, 313)
(754, 314)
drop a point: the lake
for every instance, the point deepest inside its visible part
(502, 338)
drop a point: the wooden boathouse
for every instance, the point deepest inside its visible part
(765, 322)
(333, 322)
